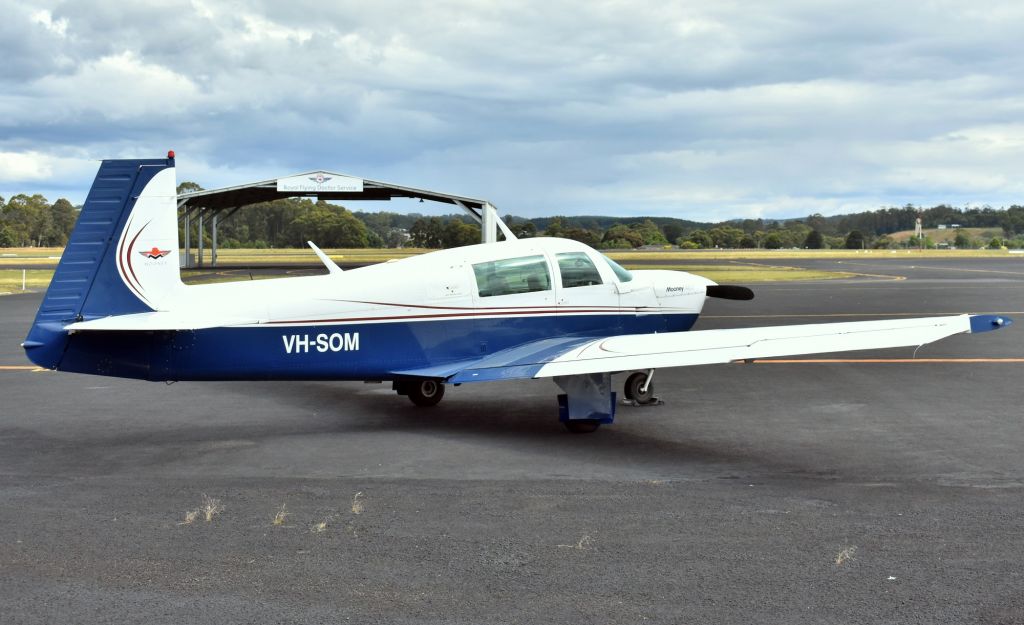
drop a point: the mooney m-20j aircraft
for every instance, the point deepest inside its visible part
(516, 309)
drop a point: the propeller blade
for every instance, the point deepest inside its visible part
(729, 291)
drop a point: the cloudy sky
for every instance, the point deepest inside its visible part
(704, 109)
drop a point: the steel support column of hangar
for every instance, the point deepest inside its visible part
(215, 205)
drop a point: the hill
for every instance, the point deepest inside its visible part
(948, 234)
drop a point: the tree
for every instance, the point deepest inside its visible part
(619, 236)
(327, 225)
(427, 233)
(773, 241)
(524, 230)
(816, 222)
(725, 236)
(649, 233)
(63, 216)
(457, 233)
(855, 240)
(814, 240)
(884, 242)
(672, 231)
(29, 219)
(555, 228)
(6, 238)
(961, 241)
(583, 236)
(188, 186)
(702, 239)
(995, 243)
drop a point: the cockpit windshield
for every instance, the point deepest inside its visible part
(620, 272)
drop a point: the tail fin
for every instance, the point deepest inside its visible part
(122, 256)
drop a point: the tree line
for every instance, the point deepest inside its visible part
(31, 220)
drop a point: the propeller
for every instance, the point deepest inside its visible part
(730, 291)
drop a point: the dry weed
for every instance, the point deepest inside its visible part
(582, 544)
(845, 555)
(211, 507)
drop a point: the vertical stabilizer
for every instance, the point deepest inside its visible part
(121, 258)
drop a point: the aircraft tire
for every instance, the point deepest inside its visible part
(425, 393)
(582, 426)
(633, 386)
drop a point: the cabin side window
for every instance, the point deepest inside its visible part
(512, 275)
(577, 270)
(620, 272)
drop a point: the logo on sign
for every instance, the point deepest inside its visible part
(320, 178)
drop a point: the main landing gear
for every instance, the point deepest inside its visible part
(587, 403)
(423, 392)
(639, 390)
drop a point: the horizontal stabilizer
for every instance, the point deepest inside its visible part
(151, 321)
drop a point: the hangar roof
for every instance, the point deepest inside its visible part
(324, 185)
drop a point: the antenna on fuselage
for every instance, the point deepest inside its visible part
(332, 267)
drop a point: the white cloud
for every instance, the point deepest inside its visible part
(45, 19)
(691, 109)
(31, 167)
(117, 87)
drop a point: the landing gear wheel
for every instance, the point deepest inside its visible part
(634, 389)
(582, 426)
(424, 393)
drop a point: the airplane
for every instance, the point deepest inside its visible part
(509, 310)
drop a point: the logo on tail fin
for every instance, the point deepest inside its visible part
(155, 253)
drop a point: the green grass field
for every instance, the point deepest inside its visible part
(44, 257)
(680, 260)
(35, 280)
(741, 273)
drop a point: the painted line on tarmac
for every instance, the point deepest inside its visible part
(850, 274)
(790, 361)
(31, 368)
(834, 315)
(937, 268)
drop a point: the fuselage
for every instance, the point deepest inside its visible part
(418, 314)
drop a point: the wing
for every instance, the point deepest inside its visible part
(684, 349)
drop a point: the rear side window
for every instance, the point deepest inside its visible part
(577, 270)
(620, 272)
(512, 275)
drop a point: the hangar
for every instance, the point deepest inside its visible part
(215, 205)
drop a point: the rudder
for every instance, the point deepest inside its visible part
(130, 212)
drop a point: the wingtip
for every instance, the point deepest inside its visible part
(987, 323)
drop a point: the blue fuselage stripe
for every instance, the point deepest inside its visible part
(362, 351)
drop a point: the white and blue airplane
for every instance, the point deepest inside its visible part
(519, 309)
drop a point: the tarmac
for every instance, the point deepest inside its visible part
(865, 489)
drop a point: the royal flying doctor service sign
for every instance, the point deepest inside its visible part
(320, 182)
